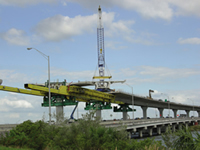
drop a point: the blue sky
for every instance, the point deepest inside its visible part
(151, 44)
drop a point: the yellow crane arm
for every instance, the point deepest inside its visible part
(80, 93)
(23, 91)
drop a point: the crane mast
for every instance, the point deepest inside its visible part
(101, 56)
(100, 45)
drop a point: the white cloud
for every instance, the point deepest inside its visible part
(149, 74)
(12, 76)
(185, 8)
(149, 8)
(14, 115)
(24, 2)
(7, 105)
(76, 75)
(60, 27)
(16, 37)
(194, 40)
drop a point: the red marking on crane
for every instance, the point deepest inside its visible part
(69, 86)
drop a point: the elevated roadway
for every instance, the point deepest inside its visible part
(152, 125)
(145, 102)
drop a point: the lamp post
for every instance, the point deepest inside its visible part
(168, 104)
(46, 57)
(132, 99)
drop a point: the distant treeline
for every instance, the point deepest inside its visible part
(88, 134)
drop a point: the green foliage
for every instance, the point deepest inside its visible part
(184, 139)
(85, 134)
(169, 138)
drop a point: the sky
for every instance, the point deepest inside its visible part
(151, 44)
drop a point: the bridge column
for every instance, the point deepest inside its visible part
(150, 131)
(140, 133)
(198, 113)
(59, 111)
(158, 130)
(161, 112)
(144, 108)
(98, 110)
(186, 125)
(173, 128)
(124, 115)
(180, 126)
(188, 112)
(175, 112)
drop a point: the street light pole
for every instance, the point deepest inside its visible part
(46, 57)
(132, 99)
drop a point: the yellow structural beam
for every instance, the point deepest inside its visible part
(23, 91)
(82, 94)
(102, 77)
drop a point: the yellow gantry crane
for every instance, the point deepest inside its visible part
(68, 95)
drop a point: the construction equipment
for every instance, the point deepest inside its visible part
(101, 55)
(65, 93)
(150, 91)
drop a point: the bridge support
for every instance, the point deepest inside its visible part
(180, 126)
(175, 112)
(186, 125)
(158, 130)
(150, 131)
(187, 112)
(124, 115)
(144, 108)
(98, 106)
(173, 128)
(59, 114)
(198, 113)
(140, 133)
(123, 108)
(161, 112)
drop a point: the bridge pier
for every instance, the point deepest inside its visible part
(173, 127)
(186, 125)
(158, 130)
(59, 113)
(180, 126)
(175, 112)
(140, 133)
(150, 131)
(187, 112)
(198, 113)
(98, 113)
(144, 108)
(124, 115)
(161, 112)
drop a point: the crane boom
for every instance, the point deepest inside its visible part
(100, 44)
(101, 53)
